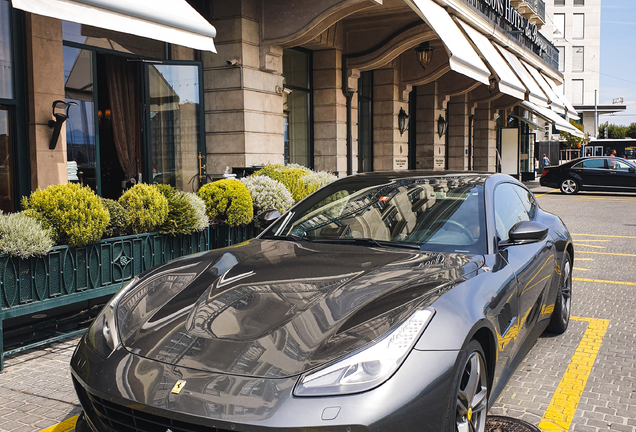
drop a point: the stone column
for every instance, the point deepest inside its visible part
(45, 66)
(243, 101)
(390, 149)
(484, 139)
(458, 133)
(330, 113)
(430, 148)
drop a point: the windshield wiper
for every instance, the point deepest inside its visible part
(367, 242)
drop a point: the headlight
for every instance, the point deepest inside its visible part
(368, 368)
(102, 335)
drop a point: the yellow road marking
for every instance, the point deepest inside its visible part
(604, 235)
(605, 253)
(587, 245)
(65, 426)
(585, 259)
(552, 191)
(593, 241)
(560, 412)
(605, 281)
(580, 269)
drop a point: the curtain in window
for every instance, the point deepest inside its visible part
(122, 92)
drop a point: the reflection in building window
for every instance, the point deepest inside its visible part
(297, 102)
(365, 122)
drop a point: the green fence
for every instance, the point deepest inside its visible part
(67, 274)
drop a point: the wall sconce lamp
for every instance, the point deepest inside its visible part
(442, 125)
(402, 121)
(60, 118)
(424, 52)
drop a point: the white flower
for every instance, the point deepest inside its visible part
(198, 205)
(268, 193)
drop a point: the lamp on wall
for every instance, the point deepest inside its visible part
(442, 125)
(424, 52)
(402, 121)
(60, 118)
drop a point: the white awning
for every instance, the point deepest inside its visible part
(555, 100)
(535, 95)
(508, 81)
(462, 57)
(173, 21)
(558, 89)
(559, 122)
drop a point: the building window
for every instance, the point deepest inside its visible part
(578, 26)
(559, 2)
(561, 50)
(559, 26)
(7, 156)
(579, 2)
(297, 103)
(365, 122)
(576, 92)
(578, 54)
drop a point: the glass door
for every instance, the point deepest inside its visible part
(173, 125)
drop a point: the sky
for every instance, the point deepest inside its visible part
(618, 58)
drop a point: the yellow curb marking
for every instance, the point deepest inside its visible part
(65, 426)
(580, 269)
(605, 281)
(606, 253)
(604, 235)
(587, 245)
(559, 414)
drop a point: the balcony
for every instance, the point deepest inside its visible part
(534, 10)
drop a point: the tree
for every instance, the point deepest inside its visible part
(617, 132)
(570, 140)
(631, 131)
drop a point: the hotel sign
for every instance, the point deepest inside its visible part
(504, 10)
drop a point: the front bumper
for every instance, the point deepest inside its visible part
(134, 394)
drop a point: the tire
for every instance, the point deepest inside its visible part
(561, 314)
(468, 405)
(569, 186)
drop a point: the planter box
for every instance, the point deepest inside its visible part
(73, 274)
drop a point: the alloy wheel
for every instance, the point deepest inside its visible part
(472, 397)
(566, 293)
(568, 186)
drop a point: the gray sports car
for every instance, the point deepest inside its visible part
(382, 302)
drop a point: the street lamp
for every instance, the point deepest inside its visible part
(402, 124)
(424, 52)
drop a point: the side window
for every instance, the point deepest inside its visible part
(594, 163)
(528, 201)
(578, 165)
(509, 210)
(618, 165)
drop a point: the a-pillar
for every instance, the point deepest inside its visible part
(45, 62)
(484, 139)
(243, 102)
(330, 113)
(390, 149)
(458, 132)
(430, 149)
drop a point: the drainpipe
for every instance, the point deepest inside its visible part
(349, 96)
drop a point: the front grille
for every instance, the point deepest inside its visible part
(120, 418)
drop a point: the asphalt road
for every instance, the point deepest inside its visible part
(583, 380)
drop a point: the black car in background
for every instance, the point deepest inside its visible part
(591, 174)
(382, 302)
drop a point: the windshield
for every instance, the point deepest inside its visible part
(440, 214)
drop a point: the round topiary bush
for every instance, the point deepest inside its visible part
(76, 213)
(147, 208)
(315, 180)
(119, 224)
(181, 216)
(23, 236)
(290, 176)
(200, 216)
(228, 201)
(268, 193)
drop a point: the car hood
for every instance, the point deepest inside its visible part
(274, 308)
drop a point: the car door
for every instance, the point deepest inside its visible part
(620, 176)
(593, 172)
(533, 264)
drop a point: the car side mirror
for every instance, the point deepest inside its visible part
(525, 233)
(267, 217)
